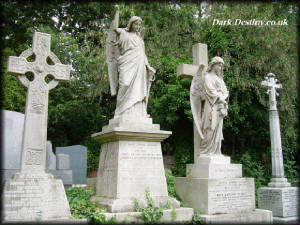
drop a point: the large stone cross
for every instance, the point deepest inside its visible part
(271, 83)
(189, 71)
(46, 64)
(278, 178)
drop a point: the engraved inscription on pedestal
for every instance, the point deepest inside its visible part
(283, 202)
(140, 166)
(229, 195)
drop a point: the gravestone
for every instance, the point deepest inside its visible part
(32, 194)
(279, 196)
(78, 161)
(168, 161)
(12, 130)
(50, 157)
(13, 123)
(213, 185)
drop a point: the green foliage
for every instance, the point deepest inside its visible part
(151, 214)
(83, 105)
(81, 206)
(197, 219)
(171, 184)
(93, 153)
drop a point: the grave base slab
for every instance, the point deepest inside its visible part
(34, 197)
(257, 216)
(182, 215)
(287, 220)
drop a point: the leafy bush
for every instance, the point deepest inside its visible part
(81, 206)
(197, 219)
(171, 184)
(151, 214)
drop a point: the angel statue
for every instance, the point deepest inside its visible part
(209, 103)
(125, 56)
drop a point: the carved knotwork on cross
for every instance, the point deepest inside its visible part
(33, 157)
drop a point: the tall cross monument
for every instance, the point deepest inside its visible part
(32, 194)
(33, 157)
(190, 71)
(278, 178)
(279, 197)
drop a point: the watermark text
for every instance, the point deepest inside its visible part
(252, 22)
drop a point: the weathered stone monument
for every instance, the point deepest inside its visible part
(32, 194)
(212, 184)
(279, 196)
(131, 157)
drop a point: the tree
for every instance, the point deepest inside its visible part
(83, 105)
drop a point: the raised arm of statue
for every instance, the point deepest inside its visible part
(112, 53)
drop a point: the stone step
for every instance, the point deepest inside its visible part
(182, 215)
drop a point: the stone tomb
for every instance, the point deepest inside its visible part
(32, 194)
(213, 185)
(130, 162)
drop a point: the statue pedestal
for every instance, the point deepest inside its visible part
(216, 188)
(130, 163)
(282, 201)
(35, 197)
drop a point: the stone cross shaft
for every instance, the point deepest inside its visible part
(33, 157)
(189, 71)
(276, 148)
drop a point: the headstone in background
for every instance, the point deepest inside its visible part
(78, 161)
(279, 196)
(32, 194)
(168, 161)
(50, 157)
(63, 161)
(12, 130)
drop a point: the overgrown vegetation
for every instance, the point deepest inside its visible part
(149, 214)
(81, 206)
(81, 106)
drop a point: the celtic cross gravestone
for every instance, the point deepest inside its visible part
(32, 194)
(33, 157)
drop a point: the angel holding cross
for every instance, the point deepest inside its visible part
(126, 58)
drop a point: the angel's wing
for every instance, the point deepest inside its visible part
(196, 96)
(112, 54)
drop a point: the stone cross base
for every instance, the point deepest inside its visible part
(35, 197)
(216, 188)
(130, 163)
(284, 202)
